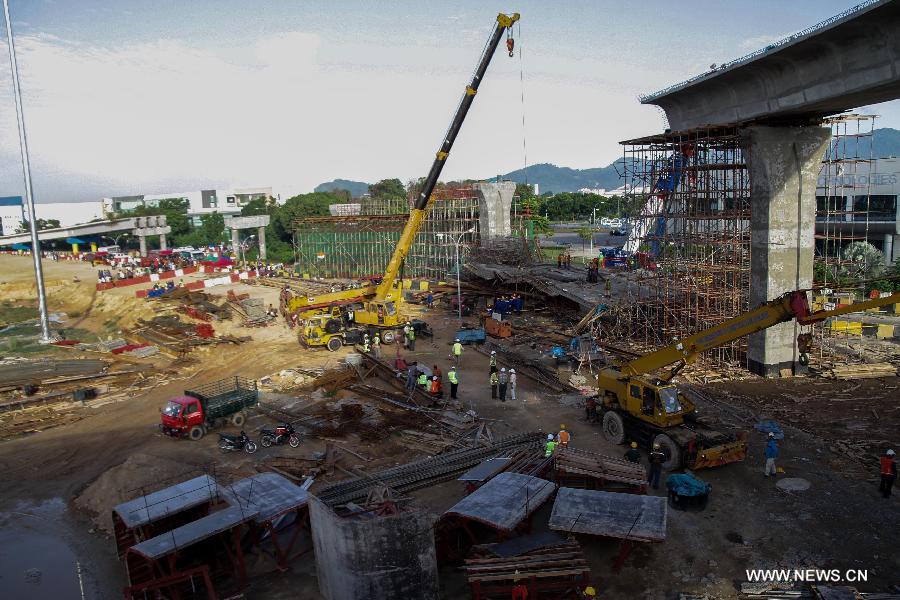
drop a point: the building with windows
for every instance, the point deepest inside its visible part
(202, 202)
(858, 202)
(12, 214)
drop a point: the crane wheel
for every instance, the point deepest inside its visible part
(672, 451)
(332, 326)
(334, 344)
(613, 427)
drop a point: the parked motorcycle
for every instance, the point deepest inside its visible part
(279, 435)
(236, 443)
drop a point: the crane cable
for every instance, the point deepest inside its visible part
(522, 86)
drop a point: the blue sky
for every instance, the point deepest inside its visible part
(128, 97)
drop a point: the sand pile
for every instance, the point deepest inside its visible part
(126, 481)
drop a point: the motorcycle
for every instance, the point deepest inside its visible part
(281, 434)
(236, 443)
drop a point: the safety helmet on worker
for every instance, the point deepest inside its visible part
(890, 453)
(503, 369)
(634, 444)
(434, 378)
(771, 434)
(589, 591)
(656, 445)
(512, 370)
(562, 426)
(492, 351)
(549, 436)
(457, 339)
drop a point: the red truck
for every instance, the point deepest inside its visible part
(211, 405)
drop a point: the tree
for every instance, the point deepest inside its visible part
(174, 209)
(297, 207)
(387, 189)
(211, 228)
(42, 224)
(585, 234)
(259, 206)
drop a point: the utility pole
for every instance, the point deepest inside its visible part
(29, 193)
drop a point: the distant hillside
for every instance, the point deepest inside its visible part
(356, 188)
(885, 142)
(551, 178)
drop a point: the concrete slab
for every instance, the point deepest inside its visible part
(193, 532)
(610, 514)
(505, 501)
(268, 494)
(171, 500)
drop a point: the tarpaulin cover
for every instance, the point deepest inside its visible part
(685, 484)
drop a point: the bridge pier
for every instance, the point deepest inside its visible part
(784, 164)
(256, 221)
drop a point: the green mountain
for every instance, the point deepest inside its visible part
(551, 178)
(885, 142)
(356, 188)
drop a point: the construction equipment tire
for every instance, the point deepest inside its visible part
(613, 427)
(196, 432)
(294, 440)
(238, 419)
(672, 451)
(265, 441)
(388, 337)
(334, 344)
(333, 326)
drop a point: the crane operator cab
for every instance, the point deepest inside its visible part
(657, 401)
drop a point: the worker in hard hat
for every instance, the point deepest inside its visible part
(494, 380)
(376, 345)
(436, 388)
(406, 329)
(657, 458)
(410, 332)
(366, 344)
(503, 381)
(512, 385)
(457, 351)
(633, 454)
(563, 436)
(888, 473)
(453, 376)
(493, 361)
(589, 592)
(551, 445)
(519, 590)
(771, 455)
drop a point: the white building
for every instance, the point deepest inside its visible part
(202, 202)
(12, 214)
(861, 204)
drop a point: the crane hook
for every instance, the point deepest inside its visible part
(510, 44)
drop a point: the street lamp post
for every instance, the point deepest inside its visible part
(458, 268)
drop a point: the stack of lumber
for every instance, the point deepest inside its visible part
(860, 371)
(563, 565)
(598, 466)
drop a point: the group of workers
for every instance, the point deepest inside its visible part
(562, 438)
(564, 260)
(507, 304)
(501, 381)
(593, 274)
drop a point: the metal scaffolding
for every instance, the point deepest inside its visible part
(360, 246)
(691, 239)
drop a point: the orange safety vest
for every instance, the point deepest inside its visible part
(564, 437)
(887, 465)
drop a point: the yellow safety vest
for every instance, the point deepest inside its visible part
(452, 377)
(457, 349)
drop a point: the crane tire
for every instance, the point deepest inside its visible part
(613, 427)
(334, 344)
(671, 449)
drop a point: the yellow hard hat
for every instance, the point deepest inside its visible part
(589, 591)
(562, 426)
(634, 444)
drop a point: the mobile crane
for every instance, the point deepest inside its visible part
(648, 408)
(379, 306)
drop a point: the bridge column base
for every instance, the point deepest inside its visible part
(784, 165)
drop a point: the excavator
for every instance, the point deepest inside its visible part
(641, 404)
(326, 317)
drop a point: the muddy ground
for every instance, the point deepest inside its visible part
(840, 522)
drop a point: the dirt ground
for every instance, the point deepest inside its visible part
(840, 522)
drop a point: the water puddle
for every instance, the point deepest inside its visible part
(36, 561)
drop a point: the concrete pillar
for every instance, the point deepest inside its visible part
(494, 207)
(142, 239)
(784, 164)
(236, 243)
(162, 242)
(262, 243)
(390, 557)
